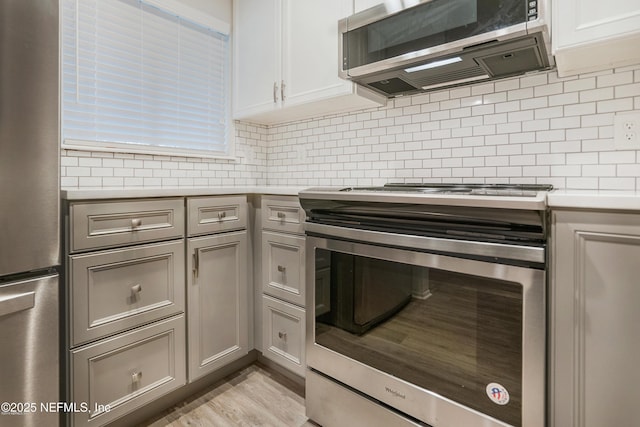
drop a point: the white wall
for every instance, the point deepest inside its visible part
(531, 129)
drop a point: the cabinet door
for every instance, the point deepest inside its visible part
(116, 290)
(256, 56)
(310, 50)
(120, 374)
(217, 301)
(591, 35)
(283, 269)
(594, 319)
(283, 334)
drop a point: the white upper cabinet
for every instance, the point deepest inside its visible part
(286, 61)
(593, 35)
(257, 50)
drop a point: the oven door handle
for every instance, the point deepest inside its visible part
(532, 254)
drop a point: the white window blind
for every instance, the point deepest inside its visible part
(140, 79)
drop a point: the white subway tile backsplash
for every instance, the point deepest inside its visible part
(615, 79)
(596, 94)
(537, 128)
(616, 183)
(517, 94)
(549, 89)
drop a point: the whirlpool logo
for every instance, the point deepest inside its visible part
(395, 393)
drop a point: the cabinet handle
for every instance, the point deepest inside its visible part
(282, 269)
(281, 215)
(136, 377)
(282, 90)
(196, 263)
(136, 289)
(282, 336)
(275, 92)
(222, 215)
(136, 222)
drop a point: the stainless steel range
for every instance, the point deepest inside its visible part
(426, 305)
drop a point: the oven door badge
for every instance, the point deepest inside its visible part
(497, 393)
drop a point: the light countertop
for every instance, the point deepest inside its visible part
(556, 199)
(594, 199)
(127, 193)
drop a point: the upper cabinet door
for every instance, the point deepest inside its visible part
(310, 50)
(289, 49)
(257, 35)
(593, 35)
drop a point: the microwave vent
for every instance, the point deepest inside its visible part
(513, 62)
(393, 86)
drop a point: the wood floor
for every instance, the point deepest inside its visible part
(252, 397)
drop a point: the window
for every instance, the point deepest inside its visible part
(139, 79)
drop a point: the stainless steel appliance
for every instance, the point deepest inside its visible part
(29, 213)
(426, 305)
(398, 48)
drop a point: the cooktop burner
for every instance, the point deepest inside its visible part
(513, 190)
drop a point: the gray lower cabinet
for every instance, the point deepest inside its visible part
(125, 287)
(594, 342)
(119, 374)
(118, 289)
(217, 292)
(283, 282)
(283, 334)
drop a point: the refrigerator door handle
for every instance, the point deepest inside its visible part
(14, 303)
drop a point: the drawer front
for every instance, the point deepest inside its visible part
(215, 214)
(282, 213)
(118, 375)
(120, 289)
(107, 224)
(283, 334)
(283, 266)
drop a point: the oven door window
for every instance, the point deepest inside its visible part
(454, 334)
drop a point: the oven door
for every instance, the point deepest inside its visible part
(447, 340)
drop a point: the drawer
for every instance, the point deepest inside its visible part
(282, 213)
(96, 225)
(215, 214)
(118, 375)
(283, 334)
(283, 266)
(115, 290)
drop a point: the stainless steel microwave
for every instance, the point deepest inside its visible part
(405, 46)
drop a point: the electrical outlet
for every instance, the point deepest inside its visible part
(626, 131)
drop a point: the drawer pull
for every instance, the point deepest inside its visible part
(136, 289)
(281, 215)
(136, 222)
(222, 215)
(136, 377)
(282, 269)
(282, 335)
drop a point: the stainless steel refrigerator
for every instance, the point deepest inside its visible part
(29, 213)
